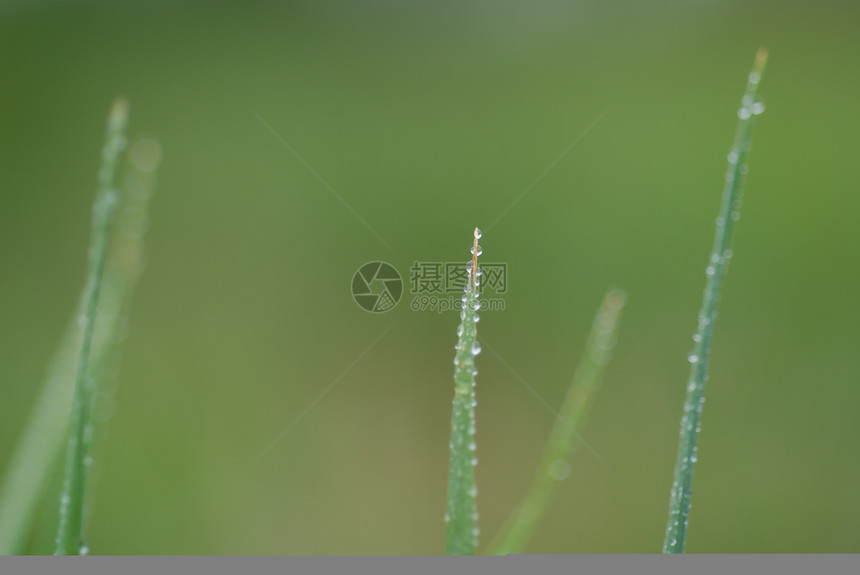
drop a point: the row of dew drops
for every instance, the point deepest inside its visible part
(748, 108)
(474, 350)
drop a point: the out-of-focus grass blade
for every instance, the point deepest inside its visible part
(78, 459)
(679, 505)
(554, 464)
(40, 445)
(461, 516)
(41, 442)
(30, 467)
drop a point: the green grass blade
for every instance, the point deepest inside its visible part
(461, 516)
(73, 498)
(554, 464)
(37, 451)
(40, 445)
(679, 506)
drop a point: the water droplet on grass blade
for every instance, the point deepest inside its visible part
(559, 469)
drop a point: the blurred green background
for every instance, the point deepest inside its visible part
(429, 119)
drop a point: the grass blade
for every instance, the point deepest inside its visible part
(679, 506)
(37, 451)
(70, 532)
(40, 444)
(461, 516)
(554, 464)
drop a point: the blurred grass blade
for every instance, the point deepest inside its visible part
(35, 455)
(554, 464)
(679, 505)
(40, 444)
(461, 517)
(73, 498)
(125, 259)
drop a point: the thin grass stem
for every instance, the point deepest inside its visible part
(554, 465)
(70, 533)
(461, 516)
(679, 505)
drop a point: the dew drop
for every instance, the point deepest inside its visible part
(733, 157)
(459, 330)
(476, 306)
(84, 550)
(697, 337)
(478, 233)
(754, 78)
(692, 358)
(476, 348)
(709, 271)
(477, 318)
(757, 108)
(559, 469)
(479, 252)
(744, 113)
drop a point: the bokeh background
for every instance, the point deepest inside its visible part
(430, 118)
